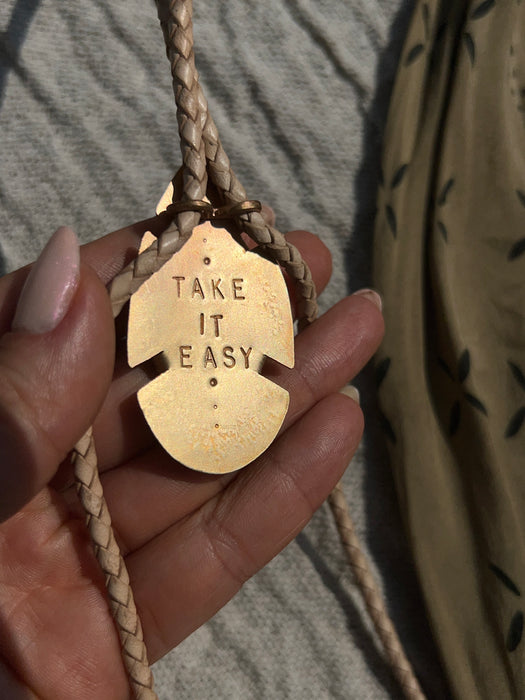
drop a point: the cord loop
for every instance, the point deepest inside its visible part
(209, 213)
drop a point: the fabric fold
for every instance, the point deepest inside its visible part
(450, 263)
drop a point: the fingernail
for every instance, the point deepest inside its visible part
(372, 296)
(351, 391)
(50, 286)
(268, 215)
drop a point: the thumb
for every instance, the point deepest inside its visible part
(55, 368)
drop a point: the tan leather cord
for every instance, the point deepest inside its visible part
(267, 237)
(108, 554)
(176, 21)
(203, 155)
(142, 267)
(372, 597)
(231, 190)
(191, 117)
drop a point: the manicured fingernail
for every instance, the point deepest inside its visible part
(50, 286)
(351, 391)
(268, 215)
(372, 296)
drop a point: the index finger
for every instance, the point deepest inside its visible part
(111, 253)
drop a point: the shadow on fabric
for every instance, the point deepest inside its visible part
(356, 627)
(12, 39)
(386, 539)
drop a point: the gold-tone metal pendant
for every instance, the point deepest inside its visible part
(211, 315)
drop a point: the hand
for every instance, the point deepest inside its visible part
(190, 540)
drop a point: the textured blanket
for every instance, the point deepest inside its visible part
(299, 90)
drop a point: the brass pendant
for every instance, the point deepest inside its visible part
(210, 316)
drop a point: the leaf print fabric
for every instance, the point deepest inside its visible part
(518, 418)
(450, 263)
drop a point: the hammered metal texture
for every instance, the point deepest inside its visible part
(209, 317)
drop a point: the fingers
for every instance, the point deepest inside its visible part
(328, 355)
(120, 429)
(201, 562)
(316, 256)
(110, 254)
(55, 368)
(121, 423)
(106, 256)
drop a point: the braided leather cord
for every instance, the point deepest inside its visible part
(269, 239)
(186, 89)
(372, 597)
(203, 155)
(122, 603)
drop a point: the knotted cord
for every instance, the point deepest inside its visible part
(204, 163)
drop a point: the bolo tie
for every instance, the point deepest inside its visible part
(205, 310)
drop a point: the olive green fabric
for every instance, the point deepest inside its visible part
(450, 262)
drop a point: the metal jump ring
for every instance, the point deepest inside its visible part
(231, 211)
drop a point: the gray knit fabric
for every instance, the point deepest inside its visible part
(299, 90)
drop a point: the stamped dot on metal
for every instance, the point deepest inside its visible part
(216, 425)
(215, 310)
